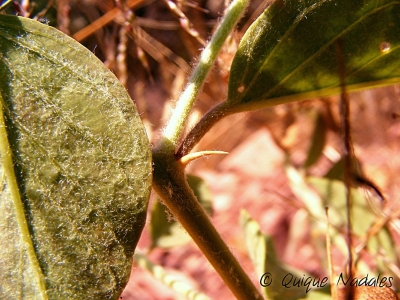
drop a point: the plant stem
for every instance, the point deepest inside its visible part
(175, 126)
(200, 129)
(169, 179)
(348, 158)
(170, 184)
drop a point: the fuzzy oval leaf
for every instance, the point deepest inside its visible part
(81, 163)
(289, 53)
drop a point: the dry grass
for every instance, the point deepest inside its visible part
(151, 49)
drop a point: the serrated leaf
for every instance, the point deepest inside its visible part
(166, 232)
(289, 52)
(81, 164)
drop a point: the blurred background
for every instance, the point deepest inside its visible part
(284, 163)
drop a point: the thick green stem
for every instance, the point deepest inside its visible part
(170, 183)
(175, 126)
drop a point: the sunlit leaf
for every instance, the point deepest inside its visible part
(302, 190)
(364, 215)
(382, 247)
(289, 53)
(255, 242)
(333, 194)
(75, 169)
(276, 278)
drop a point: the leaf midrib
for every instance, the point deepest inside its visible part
(6, 155)
(302, 65)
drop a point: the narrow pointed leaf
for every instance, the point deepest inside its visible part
(275, 276)
(75, 169)
(290, 51)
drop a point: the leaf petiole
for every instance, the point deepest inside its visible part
(176, 123)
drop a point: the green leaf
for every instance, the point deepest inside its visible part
(333, 194)
(289, 52)
(255, 242)
(365, 216)
(75, 169)
(276, 278)
(336, 172)
(164, 230)
(382, 246)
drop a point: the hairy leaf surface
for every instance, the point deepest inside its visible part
(290, 52)
(78, 154)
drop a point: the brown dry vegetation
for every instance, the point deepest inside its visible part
(151, 51)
